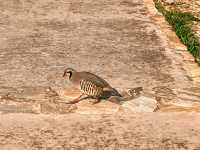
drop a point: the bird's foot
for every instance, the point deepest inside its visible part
(115, 99)
(94, 101)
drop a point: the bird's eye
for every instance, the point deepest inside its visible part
(67, 73)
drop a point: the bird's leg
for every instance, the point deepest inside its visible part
(96, 101)
(76, 100)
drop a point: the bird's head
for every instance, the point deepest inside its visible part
(68, 72)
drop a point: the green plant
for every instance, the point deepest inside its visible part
(181, 24)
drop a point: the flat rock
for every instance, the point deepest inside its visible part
(103, 107)
(140, 104)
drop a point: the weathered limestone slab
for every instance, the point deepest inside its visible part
(141, 104)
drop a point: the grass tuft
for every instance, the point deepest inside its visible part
(181, 23)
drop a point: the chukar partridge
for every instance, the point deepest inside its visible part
(89, 84)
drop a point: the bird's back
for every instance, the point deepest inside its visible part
(98, 81)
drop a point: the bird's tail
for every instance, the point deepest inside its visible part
(112, 92)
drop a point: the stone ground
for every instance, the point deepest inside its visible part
(120, 40)
(157, 131)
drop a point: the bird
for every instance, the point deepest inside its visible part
(90, 85)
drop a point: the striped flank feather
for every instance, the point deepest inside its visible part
(90, 89)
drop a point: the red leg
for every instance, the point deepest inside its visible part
(96, 101)
(76, 100)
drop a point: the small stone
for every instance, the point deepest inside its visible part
(48, 90)
(170, 2)
(140, 104)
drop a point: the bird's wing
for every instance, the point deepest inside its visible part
(98, 81)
